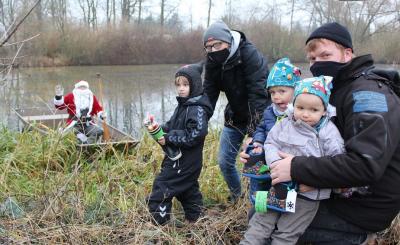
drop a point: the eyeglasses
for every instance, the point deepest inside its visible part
(216, 46)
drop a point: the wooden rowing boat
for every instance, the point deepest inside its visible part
(44, 119)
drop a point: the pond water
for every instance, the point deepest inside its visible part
(129, 92)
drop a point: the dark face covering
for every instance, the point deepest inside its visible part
(326, 68)
(220, 56)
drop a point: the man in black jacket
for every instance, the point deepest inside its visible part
(236, 67)
(368, 116)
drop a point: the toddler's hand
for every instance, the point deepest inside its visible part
(161, 141)
(257, 148)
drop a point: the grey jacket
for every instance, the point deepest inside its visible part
(300, 139)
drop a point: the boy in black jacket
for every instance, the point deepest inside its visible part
(186, 130)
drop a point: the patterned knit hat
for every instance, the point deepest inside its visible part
(283, 73)
(319, 86)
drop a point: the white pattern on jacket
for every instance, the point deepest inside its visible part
(300, 139)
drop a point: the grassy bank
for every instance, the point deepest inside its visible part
(51, 192)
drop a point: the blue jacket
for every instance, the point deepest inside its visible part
(265, 125)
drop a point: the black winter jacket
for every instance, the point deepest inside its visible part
(187, 130)
(242, 79)
(368, 117)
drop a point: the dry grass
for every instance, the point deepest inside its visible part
(75, 198)
(69, 197)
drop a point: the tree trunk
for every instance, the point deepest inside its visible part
(162, 13)
(209, 12)
(140, 12)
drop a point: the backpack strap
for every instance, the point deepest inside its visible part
(389, 77)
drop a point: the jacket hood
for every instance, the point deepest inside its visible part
(193, 74)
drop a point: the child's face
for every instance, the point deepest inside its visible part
(308, 108)
(182, 86)
(281, 96)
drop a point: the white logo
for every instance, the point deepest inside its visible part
(163, 213)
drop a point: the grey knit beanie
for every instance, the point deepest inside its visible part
(218, 31)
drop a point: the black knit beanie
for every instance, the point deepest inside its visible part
(193, 73)
(333, 31)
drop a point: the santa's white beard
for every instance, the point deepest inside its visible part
(83, 99)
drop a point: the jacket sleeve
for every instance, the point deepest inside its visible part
(61, 103)
(260, 133)
(371, 117)
(96, 106)
(255, 71)
(334, 144)
(271, 146)
(267, 122)
(210, 88)
(196, 128)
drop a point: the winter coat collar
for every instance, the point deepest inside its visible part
(352, 70)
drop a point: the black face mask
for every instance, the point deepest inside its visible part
(326, 68)
(220, 56)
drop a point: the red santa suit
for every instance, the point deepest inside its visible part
(78, 100)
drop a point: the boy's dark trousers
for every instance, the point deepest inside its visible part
(180, 182)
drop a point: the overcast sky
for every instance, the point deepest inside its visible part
(197, 10)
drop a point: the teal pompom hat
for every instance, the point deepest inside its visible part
(283, 73)
(319, 86)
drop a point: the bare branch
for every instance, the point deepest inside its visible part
(19, 23)
(25, 40)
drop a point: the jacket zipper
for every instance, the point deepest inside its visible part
(322, 154)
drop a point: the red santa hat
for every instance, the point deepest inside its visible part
(82, 83)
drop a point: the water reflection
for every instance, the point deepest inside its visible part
(130, 92)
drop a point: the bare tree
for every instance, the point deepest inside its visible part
(57, 9)
(364, 18)
(110, 11)
(209, 12)
(140, 12)
(89, 10)
(162, 6)
(128, 9)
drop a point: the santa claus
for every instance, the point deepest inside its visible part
(81, 106)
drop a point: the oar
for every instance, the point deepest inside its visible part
(106, 132)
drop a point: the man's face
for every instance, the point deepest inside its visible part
(215, 45)
(326, 50)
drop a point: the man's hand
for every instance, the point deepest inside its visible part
(161, 141)
(59, 90)
(243, 155)
(280, 170)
